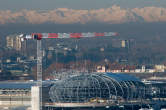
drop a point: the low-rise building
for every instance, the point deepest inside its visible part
(118, 68)
(101, 69)
(160, 68)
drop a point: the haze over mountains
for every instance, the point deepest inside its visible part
(144, 26)
(113, 15)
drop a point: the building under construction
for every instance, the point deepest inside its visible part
(95, 90)
(88, 88)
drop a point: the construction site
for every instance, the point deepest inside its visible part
(81, 90)
(84, 91)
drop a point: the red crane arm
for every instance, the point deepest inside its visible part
(40, 36)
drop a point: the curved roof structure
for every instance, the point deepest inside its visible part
(89, 87)
(22, 85)
(16, 85)
(122, 77)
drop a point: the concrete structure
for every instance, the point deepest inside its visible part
(15, 94)
(35, 98)
(21, 94)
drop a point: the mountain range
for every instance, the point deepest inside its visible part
(112, 15)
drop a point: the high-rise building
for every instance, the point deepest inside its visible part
(18, 43)
(123, 43)
(14, 41)
(9, 42)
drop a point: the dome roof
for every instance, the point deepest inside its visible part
(122, 77)
(106, 86)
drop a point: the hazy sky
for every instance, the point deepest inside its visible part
(76, 4)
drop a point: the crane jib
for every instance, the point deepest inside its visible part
(39, 36)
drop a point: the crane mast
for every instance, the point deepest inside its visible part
(39, 62)
(39, 36)
(39, 71)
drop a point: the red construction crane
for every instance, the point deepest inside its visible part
(40, 36)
